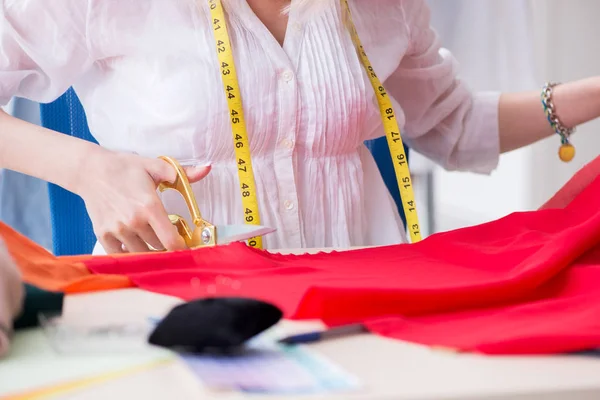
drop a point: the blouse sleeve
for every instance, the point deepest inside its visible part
(444, 120)
(43, 47)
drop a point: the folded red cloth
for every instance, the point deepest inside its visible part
(506, 286)
(561, 316)
(526, 283)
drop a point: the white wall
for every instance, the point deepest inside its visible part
(566, 43)
(493, 43)
(516, 45)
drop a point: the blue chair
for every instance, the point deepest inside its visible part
(381, 153)
(72, 230)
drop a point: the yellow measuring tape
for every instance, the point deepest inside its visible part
(240, 136)
(238, 123)
(392, 132)
(53, 391)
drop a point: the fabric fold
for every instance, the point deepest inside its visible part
(448, 290)
(524, 284)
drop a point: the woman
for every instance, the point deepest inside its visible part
(11, 297)
(149, 77)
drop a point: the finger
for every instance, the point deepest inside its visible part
(148, 235)
(161, 228)
(162, 171)
(197, 173)
(133, 243)
(111, 245)
(166, 231)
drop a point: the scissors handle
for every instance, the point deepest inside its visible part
(203, 233)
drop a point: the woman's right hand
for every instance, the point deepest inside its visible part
(119, 191)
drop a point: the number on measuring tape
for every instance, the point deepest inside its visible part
(242, 148)
(236, 114)
(392, 131)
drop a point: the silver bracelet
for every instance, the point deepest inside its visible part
(566, 151)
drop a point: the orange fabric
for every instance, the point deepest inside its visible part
(61, 274)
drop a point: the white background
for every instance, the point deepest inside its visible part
(516, 45)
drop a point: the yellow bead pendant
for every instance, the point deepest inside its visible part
(566, 152)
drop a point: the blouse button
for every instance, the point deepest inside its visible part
(288, 143)
(287, 75)
(288, 205)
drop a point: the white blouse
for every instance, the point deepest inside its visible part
(147, 75)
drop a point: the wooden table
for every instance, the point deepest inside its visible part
(388, 369)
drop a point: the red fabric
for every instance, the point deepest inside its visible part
(527, 283)
(561, 316)
(576, 185)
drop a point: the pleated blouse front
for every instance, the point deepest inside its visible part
(148, 77)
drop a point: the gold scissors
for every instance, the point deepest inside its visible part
(203, 233)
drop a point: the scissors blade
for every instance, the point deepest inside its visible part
(238, 233)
